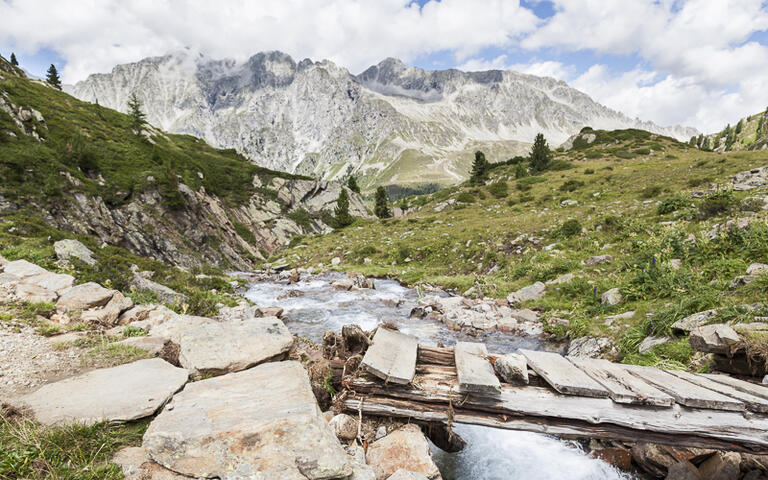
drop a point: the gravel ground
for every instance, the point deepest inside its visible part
(28, 360)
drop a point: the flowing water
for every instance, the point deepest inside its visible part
(312, 306)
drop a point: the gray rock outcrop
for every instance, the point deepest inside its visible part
(259, 423)
(68, 249)
(126, 392)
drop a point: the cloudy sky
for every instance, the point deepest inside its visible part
(700, 63)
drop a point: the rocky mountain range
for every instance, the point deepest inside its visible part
(391, 124)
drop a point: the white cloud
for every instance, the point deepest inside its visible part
(92, 36)
(696, 61)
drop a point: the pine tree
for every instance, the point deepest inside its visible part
(705, 144)
(52, 77)
(341, 212)
(138, 118)
(352, 184)
(739, 126)
(541, 155)
(480, 167)
(700, 140)
(382, 204)
(692, 141)
(14, 62)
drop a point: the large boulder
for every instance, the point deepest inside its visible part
(592, 347)
(360, 469)
(111, 311)
(23, 269)
(531, 292)
(721, 466)
(34, 294)
(126, 392)
(69, 249)
(405, 448)
(83, 297)
(164, 294)
(684, 470)
(611, 297)
(211, 347)
(715, 338)
(512, 368)
(55, 282)
(692, 321)
(259, 423)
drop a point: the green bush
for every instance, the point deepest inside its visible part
(650, 192)
(465, 197)
(302, 218)
(499, 189)
(672, 204)
(571, 185)
(569, 228)
(589, 171)
(718, 203)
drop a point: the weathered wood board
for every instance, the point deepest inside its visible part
(622, 386)
(684, 392)
(752, 402)
(392, 356)
(741, 385)
(542, 410)
(562, 375)
(474, 371)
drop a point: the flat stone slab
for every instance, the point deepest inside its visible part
(562, 375)
(85, 296)
(622, 386)
(475, 372)
(23, 269)
(261, 423)
(685, 393)
(51, 281)
(392, 356)
(212, 347)
(126, 392)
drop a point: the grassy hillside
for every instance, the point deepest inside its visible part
(624, 193)
(749, 133)
(96, 146)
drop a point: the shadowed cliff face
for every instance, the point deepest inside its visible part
(390, 124)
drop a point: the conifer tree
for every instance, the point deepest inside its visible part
(692, 141)
(739, 126)
(341, 212)
(138, 118)
(541, 155)
(382, 204)
(52, 77)
(705, 144)
(352, 184)
(480, 167)
(14, 62)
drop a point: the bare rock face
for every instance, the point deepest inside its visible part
(260, 423)
(126, 392)
(83, 297)
(405, 448)
(212, 347)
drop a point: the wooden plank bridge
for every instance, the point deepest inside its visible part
(567, 397)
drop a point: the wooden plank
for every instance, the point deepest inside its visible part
(392, 356)
(436, 355)
(436, 392)
(752, 402)
(474, 371)
(740, 385)
(622, 386)
(410, 410)
(562, 375)
(685, 393)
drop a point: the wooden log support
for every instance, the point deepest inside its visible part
(752, 402)
(562, 375)
(475, 372)
(622, 386)
(392, 356)
(436, 356)
(685, 393)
